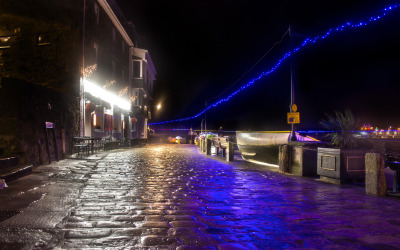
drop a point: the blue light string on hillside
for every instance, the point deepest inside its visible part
(308, 41)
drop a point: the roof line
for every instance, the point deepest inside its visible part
(107, 8)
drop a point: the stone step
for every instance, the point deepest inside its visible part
(8, 162)
(15, 172)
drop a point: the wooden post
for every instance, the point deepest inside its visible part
(47, 144)
(55, 143)
(63, 140)
(50, 125)
(208, 146)
(229, 151)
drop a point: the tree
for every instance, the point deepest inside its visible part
(341, 126)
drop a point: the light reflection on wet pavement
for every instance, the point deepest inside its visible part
(172, 196)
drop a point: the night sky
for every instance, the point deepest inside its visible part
(200, 48)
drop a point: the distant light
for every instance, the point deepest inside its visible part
(104, 95)
(158, 106)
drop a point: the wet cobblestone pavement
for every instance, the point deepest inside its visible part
(173, 197)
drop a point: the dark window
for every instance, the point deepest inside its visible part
(97, 13)
(114, 68)
(136, 69)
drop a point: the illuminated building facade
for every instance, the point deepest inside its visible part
(70, 63)
(124, 70)
(108, 47)
(144, 76)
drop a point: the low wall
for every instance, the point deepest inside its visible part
(301, 158)
(24, 109)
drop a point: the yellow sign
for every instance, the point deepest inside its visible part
(294, 108)
(293, 117)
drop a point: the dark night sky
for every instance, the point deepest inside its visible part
(201, 47)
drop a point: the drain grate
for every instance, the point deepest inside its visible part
(6, 214)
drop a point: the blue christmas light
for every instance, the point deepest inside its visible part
(306, 42)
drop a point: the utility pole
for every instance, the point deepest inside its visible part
(205, 120)
(82, 87)
(293, 133)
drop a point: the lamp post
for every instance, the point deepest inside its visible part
(81, 83)
(293, 133)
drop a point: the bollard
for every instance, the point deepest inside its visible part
(284, 158)
(229, 151)
(375, 182)
(208, 146)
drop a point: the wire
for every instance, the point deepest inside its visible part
(288, 54)
(245, 73)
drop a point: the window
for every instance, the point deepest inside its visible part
(97, 121)
(97, 13)
(5, 42)
(114, 68)
(42, 39)
(136, 69)
(117, 122)
(96, 51)
(134, 126)
(135, 97)
(108, 122)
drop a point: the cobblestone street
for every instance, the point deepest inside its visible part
(171, 196)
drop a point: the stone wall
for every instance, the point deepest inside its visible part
(24, 109)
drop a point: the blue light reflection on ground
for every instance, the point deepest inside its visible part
(265, 209)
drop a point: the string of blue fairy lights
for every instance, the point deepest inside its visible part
(306, 42)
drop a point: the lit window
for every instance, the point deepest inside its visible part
(94, 120)
(97, 120)
(42, 39)
(5, 42)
